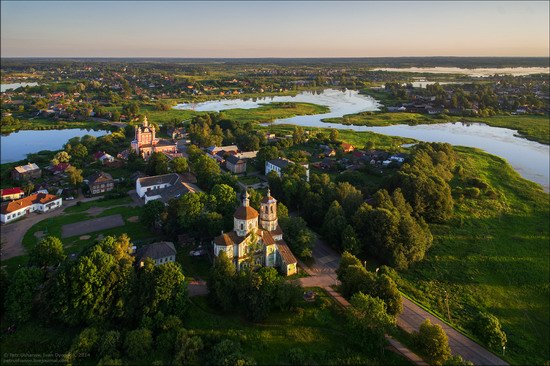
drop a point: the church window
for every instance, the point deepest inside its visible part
(271, 209)
(242, 226)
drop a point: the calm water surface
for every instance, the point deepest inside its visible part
(477, 72)
(5, 87)
(17, 145)
(531, 159)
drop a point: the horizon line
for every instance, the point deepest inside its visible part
(267, 57)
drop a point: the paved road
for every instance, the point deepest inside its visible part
(88, 226)
(413, 315)
(322, 274)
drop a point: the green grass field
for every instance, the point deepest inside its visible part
(273, 111)
(492, 256)
(52, 226)
(357, 139)
(264, 113)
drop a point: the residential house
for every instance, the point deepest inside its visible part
(177, 133)
(106, 158)
(327, 163)
(26, 172)
(100, 182)
(347, 147)
(39, 202)
(235, 165)
(259, 231)
(160, 252)
(213, 150)
(59, 168)
(164, 187)
(400, 158)
(14, 193)
(277, 166)
(434, 111)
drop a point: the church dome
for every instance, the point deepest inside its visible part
(245, 213)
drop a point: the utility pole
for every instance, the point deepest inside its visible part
(447, 303)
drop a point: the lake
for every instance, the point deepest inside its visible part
(17, 145)
(530, 159)
(477, 72)
(339, 102)
(5, 87)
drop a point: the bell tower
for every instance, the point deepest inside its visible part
(268, 212)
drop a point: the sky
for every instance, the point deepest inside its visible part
(236, 29)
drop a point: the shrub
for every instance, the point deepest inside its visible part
(472, 192)
(487, 327)
(433, 343)
(478, 183)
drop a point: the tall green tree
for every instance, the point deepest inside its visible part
(225, 198)
(334, 224)
(74, 175)
(152, 213)
(369, 321)
(48, 252)
(157, 164)
(160, 288)
(206, 169)
(350, 243)
(179, 165)
(487, 327)
(433, 343)
(222, 282)
(21, 293)
(95, 287)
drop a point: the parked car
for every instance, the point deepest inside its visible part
(69, 198)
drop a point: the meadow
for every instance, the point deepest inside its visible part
(492, 256)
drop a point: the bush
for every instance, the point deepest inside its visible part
(433, 343)
(487, 327)
(472, 192)
(138, 343)
(478, 183)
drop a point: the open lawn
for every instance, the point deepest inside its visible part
(265, 113)
(75, 244)
(492, 256)
(273, 111)
(316, 328)
(357, 139)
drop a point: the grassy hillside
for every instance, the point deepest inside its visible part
(492, 256)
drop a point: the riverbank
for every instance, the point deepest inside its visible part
(41, 124)
(532, 127)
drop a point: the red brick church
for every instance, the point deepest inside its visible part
(145, 142)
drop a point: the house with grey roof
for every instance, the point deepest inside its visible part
(160, 252)
(277, 166)
(164, 187)
(235, 165)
